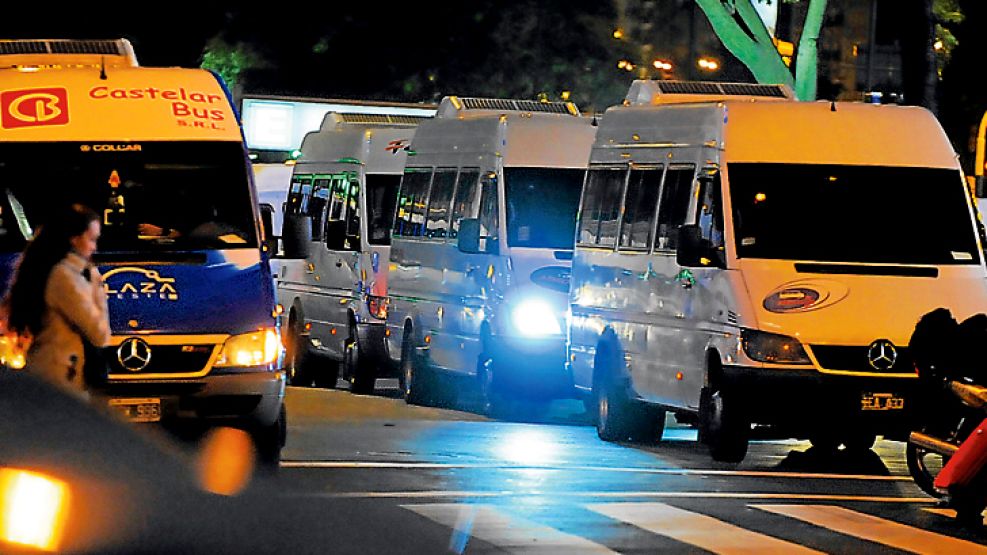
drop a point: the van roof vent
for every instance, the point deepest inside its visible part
(669, 92)
(452, 106)
(66, 53)
(382, 119)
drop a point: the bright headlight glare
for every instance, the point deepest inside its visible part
(771, 347)
(33, 509)
(256, 348)
(535, 318)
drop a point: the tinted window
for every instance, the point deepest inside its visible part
(600, 210)
(152, 195)
(640, 205)
(437, 224)
(541, 206)
(489, 214)
(868, 214)
(676, 192)
(381, 196)
(410, 220)
(464, 205)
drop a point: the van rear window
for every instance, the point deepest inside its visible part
(865, 214)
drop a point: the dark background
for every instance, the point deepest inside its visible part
(420, 51)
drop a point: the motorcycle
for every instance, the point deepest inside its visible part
(946, 453)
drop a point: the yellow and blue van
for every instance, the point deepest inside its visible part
(159, 153)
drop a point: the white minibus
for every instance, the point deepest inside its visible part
(332, 278)
(482, 248)
(744, 259)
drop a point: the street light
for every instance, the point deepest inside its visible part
(708, 64)
(662, 65)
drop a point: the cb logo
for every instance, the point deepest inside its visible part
(34, 107)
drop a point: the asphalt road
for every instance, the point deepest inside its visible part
(369, 474)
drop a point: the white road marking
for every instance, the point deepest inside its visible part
(631, 470)
(607, 494)
(510, 532)
(872, 528)
(696, 529)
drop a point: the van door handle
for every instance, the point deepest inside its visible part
(339, 263)
(471, 269)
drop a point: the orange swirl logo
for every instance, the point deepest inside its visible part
(34, 107)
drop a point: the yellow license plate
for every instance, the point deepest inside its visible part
(138, 410)
(881, 401)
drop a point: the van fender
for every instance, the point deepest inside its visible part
(609, 353)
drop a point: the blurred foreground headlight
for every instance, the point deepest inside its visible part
(534, 317)
(256, 348)
(33, 509)
(772, 347)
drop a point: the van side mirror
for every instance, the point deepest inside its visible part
(468, 240)
(296, 235)
(267, 224)
(694, 251)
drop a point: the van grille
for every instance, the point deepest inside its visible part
(165, 359)
(854, 359)
(724, 89)
(107, 47)
(383, 119)
(514, 105)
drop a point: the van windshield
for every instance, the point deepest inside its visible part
(152, 195)
(541, 206)
(867, 214)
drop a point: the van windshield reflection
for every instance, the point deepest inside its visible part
(866, 214)
(541, 206)
(151, 195)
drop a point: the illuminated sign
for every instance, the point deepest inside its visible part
(34, 107)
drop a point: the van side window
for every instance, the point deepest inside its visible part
(437, 223)
(640, 205)
(489, 213)
(676, 192)
(601, 207)
(410, 219)
(298, 194)
(342, 225)
(709, 215)
(465, 202)
(315, 205)
(381, 195)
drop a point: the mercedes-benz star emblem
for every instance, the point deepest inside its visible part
(134, 354)
(881, 355)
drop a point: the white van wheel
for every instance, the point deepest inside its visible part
(297, 363)
(722, 425)
(415, 384)
(360, 374)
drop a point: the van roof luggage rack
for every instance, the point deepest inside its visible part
(646, 93)
(452, 106)
(40, 53)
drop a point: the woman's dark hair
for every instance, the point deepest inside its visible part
(25, 300)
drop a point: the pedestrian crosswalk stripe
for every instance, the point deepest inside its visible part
(696, 529)
(503, 530)
(949, 513)
(872, 528)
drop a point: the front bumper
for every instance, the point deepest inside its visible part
(244, 397)
(808, 400)
(532, 366)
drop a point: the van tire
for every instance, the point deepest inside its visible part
(416, 380)
(327, 374)
(298, 360)
(269, 439)
(723, 426)
(361, 375)
(491, 394)
(619, 418)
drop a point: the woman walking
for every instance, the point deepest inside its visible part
(57, 298)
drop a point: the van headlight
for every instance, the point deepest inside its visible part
(257, 348)
(535, 318)
(772, 347)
